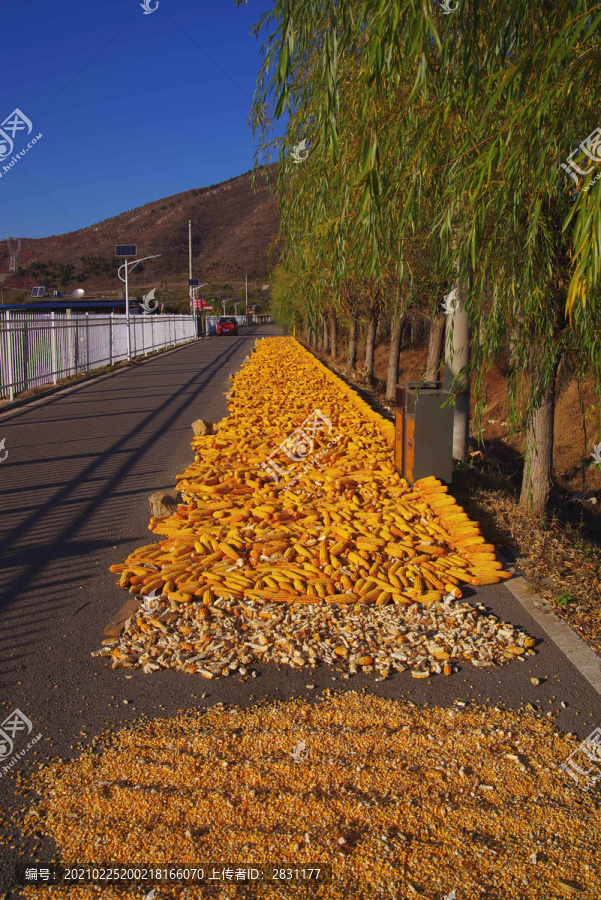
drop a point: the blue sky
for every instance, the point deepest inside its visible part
(148, 115)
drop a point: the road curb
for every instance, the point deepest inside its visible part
(563, 636)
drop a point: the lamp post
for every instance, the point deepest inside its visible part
(126, 250)
(190, 251)
(195, 287)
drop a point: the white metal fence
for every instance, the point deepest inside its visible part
(40, 348)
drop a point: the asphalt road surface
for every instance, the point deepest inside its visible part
(74, 492)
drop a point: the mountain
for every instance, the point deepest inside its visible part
(233, 228)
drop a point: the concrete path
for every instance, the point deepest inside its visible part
(74, 495)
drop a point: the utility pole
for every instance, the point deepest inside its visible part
(190, 259)
(14, 254)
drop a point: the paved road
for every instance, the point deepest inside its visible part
(74, 500)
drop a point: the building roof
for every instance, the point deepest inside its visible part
(48, 305)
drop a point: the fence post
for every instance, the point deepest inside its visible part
(144, 334)
(111, 338)
(9, 354)
(87, 344)
(25, 344)
(53, 348)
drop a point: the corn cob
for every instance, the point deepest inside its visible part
(485, 579)
(486, 567)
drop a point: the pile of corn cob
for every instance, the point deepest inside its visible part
(342, 530)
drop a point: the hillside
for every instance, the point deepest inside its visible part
(232, 230)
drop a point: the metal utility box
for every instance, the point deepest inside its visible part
(423, 442)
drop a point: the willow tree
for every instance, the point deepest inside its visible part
(515, 221)
(322, 203)
(542, 54)
(524, 80)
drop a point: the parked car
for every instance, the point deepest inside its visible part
(227, 325)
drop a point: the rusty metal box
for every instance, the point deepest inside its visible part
(423, 431)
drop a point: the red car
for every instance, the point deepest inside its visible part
(227, 326)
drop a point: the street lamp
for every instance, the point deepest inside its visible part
(126, 250)
(195, 286)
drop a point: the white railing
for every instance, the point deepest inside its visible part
(41, 348)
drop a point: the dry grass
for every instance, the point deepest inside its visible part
(544, 549)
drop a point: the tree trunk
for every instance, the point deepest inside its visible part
(514, 340)
(482, 328)
(406, 335)
(393, 356)
(333, 335)
(370, 347)
(435, 348)
(324, 339)
(351, 359)
(456, 370)
(538, 465)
